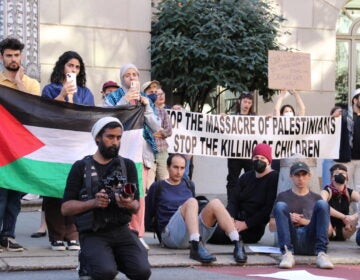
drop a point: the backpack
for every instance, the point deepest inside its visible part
(151, 222)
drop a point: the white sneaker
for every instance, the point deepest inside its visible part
(144, 243)
(323, 261)
(287, 260)
(30, 196)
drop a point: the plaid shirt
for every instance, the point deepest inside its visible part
(166, 131)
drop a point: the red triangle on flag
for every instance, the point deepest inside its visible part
(15, 140)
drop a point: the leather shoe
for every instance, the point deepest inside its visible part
(239, 252)
(199, 253)
(38, 234)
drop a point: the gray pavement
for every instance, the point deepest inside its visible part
(38, 255)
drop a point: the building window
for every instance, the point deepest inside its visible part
(347, 52)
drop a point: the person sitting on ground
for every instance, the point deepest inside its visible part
(344, 149)
(339, 197)
(301, 219)
(252, 198)
(178, 223)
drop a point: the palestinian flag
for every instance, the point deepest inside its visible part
(40, 139)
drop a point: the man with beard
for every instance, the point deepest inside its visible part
(101, 214)
(12, 76)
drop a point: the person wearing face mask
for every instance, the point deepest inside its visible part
(283, 165)
(130, 94)
(252, 199)
(158, 170)
(287, 110)
(344, 149)
(339, 197)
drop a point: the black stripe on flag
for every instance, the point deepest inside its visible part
(43, 112)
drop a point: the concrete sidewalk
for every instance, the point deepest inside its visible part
(38, 255)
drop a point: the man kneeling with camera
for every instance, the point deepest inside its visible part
(101, 194)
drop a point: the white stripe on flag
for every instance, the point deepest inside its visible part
(67, 146)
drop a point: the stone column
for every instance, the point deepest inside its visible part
(20, 19)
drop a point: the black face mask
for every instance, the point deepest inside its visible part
(152, 97)
(339, 178)
(259, 165)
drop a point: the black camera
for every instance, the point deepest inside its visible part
(116, 183)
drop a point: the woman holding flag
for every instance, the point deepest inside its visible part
(62, 229)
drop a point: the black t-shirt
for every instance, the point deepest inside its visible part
(75, 181)
(253, 198)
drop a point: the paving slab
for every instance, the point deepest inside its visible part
(38, 255)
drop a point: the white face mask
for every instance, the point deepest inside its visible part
(288, 114)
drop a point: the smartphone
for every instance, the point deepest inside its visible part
(135, 84)
(71, 77)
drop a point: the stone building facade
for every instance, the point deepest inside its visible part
(108, 34)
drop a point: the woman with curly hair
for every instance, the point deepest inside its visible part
(64, 90)
(62, 230)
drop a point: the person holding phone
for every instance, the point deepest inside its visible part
(68, 81)
(130, 94)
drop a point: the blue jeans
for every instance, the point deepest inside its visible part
(358, 237)
(307, 240)
(10, 206)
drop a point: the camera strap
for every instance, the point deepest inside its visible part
(88, 172)
(88, 166)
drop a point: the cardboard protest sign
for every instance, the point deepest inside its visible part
(289, 70)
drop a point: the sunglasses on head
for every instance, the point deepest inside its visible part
(246, 95)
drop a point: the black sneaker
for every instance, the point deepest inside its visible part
(73, 245)
(11, 245)
(58, 246)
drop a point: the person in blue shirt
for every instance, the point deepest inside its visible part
(65, 90)
(62, 230)
(179, 224)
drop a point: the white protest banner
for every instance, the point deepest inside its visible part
(236, 136)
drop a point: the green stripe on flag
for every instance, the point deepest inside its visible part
(43, 178)
(38, 177)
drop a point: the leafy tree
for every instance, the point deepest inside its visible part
(197, 45)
